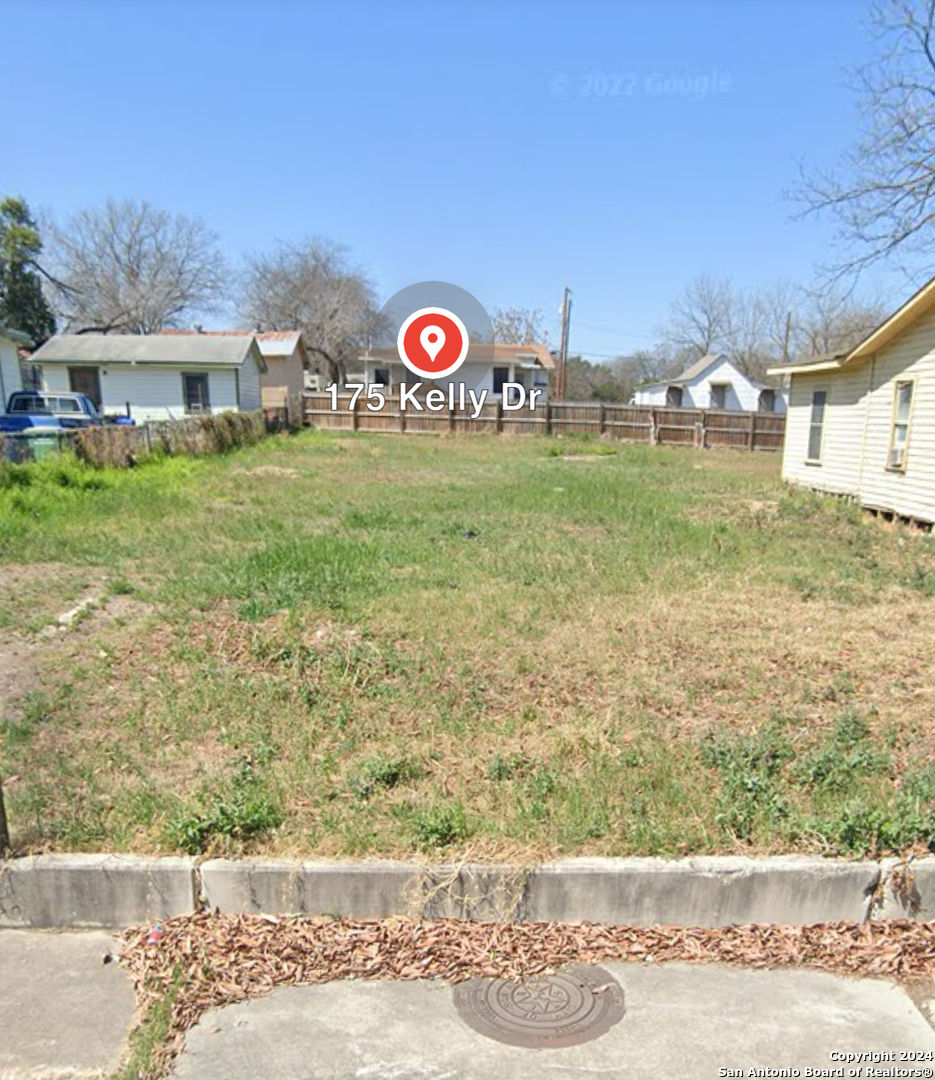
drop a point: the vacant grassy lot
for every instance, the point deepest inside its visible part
(352, 645)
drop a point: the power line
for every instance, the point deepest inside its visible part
(620, 333)
(608, 355)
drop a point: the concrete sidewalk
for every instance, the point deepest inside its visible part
(682, 1022)
(63, 1011)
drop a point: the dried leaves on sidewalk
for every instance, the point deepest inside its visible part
(216, 960)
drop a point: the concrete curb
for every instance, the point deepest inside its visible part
(59, 891)
(101, 891)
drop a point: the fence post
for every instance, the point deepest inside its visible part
(5, 844)
(653, 428)
(499, 415)
(753, 431)
(451, 421)
(548, 418)
(355, 418)
(402, 419)
(600, 419)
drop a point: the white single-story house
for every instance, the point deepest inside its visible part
(862, 423)
(713, 382)
(286, 357)
(10, 377)
(156, 376)
(486, 367)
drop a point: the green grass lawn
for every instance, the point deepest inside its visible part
(344, 645)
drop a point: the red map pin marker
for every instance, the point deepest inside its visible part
(433, 342)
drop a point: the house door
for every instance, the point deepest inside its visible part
(87, 381)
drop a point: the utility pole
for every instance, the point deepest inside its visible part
(4, 831)
(786, 336)
(563, 351)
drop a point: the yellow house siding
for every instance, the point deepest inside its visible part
(858, 427)
(910, 493)
(839, 467)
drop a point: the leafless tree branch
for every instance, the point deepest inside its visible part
(311, 286)
(128, 267)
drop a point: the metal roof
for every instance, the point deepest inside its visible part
(277, 343)
(198, 350)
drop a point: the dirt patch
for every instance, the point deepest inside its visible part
(269, 470)
(589, 457)
(30, 663)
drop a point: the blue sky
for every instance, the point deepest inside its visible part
(509, 148)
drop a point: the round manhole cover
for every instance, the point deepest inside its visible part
(573, 1006)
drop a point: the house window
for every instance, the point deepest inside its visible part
(899, 435)
(195, 393)
(719, 395)
(767, 401)
(381, 376)
(817, 424)
(674, 397)
(500, 376)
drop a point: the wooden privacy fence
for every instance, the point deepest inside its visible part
(700, 428)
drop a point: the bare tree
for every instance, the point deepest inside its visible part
(832, 321)
(780, 302)
(311, 286)
(700, 318)
(883, 196)
(128, 267)
(759, 328)
(519, 326)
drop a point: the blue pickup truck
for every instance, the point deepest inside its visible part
(30, 409)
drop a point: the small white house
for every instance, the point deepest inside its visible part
(156, 376)
(486, 367)
(713, 382)
(10, 376)
(862, 423)
(286, 357)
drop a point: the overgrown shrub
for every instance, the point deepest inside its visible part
(123, 447)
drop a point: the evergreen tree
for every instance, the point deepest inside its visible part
(22, 303)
